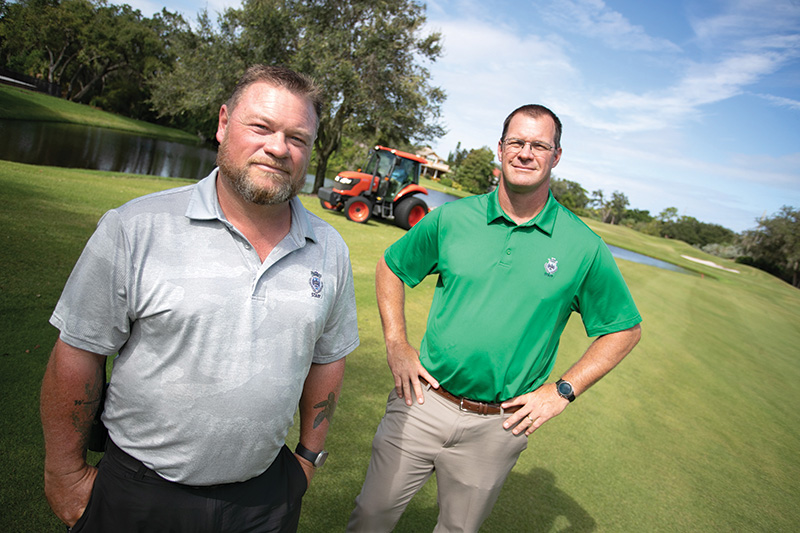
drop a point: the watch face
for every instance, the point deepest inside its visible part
(564, 388)
(321, 459)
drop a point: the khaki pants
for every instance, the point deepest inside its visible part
(472, 455)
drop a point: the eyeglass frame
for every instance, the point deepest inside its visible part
(525, 143)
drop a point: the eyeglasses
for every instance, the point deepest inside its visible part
(515, 146)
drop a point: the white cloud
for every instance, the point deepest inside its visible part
(748, 18)
(593, 18)
(487, 71)
(781, 102)
(703, 84)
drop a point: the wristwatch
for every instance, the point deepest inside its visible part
(315, 458)
(565, 390)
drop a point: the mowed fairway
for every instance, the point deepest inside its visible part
(697, 430)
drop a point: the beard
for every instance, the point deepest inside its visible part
(280, 188)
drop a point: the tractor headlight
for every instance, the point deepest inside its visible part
(343, 181)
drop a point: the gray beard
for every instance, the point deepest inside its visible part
(283, 189)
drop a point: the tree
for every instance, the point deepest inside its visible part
(612, 210)
(474, 174)
(638, 216)
(94, 51)
(118, 45)
(670, 214)
(775, 245)
(365, 55)
(570, 194)
(44, 37)
(457, 156)
(209, 60)
(692, 231)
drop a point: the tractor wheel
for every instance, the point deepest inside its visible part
(409, 211)
(358, 209)
(327, 205)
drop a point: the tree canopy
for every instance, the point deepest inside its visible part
(570, 194)
(774, 245)
(93, 50)
(474, 174)
(367, 57)
(611, 210)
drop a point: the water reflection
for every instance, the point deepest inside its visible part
(77, 146)
(622, 253)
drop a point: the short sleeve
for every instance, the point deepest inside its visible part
(416, 254)
(340, 335)
(92, 313)
(603, 299)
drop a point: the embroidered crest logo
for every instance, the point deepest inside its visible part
(316, 284)
(551, 266)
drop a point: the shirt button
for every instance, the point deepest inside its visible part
(508, 252)
(247, 247)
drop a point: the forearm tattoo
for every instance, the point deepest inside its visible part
(328, 407)
(85, 409)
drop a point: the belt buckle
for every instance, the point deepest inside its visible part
(461, 404)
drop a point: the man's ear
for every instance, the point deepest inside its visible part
(222, 123)
(556, 157)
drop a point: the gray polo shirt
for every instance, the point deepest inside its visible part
(214, 345)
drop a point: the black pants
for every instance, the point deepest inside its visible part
(127, 498)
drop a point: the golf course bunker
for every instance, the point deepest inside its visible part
(712, 264)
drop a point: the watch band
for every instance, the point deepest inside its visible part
(315, 458)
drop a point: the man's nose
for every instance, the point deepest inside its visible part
(275, 144)
(527, 151)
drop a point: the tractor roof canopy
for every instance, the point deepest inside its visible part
(404, 155)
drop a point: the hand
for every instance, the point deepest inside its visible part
(537, 408)
(404, 363)
(308, 468)
(68, 494)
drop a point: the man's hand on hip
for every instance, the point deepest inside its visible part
(404, 363)
(537, 408)
(68, 494)
(308, 468)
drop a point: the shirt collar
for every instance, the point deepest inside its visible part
(204, 205)
(545, 220)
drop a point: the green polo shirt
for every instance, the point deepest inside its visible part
(505, 292)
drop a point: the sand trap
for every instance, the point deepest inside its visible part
(709, 263)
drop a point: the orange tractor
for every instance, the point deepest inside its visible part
(388, 187)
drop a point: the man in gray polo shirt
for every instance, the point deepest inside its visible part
(228, 305)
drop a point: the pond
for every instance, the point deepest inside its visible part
(622, 253)
(77, 146)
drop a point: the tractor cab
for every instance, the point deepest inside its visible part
(387, 187)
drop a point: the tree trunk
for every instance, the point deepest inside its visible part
(319, 175)
(328, 139)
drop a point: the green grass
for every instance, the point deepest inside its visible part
(21, 104)
(438, 186)
(698, 429)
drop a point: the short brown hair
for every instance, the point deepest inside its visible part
(535, 111)
(298, 84)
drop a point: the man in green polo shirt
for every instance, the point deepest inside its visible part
(512, 266)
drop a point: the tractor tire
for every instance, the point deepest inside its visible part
(410, 211)
(358, 209)
(327, 205)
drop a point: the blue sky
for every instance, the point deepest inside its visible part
(686, 104)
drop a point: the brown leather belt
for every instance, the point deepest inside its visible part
(473, 406)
